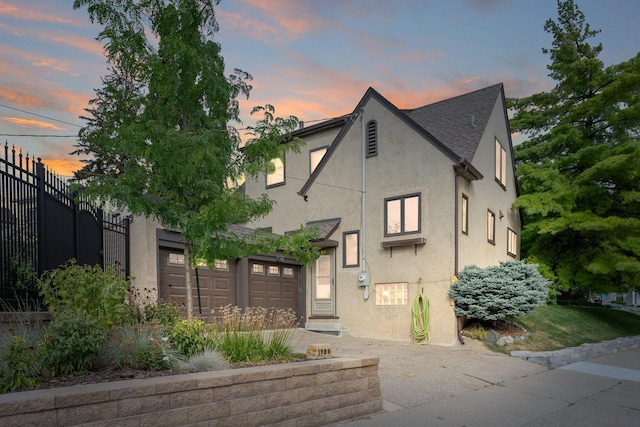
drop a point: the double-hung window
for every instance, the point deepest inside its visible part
(275, 172)
(402, 215)
(512, 243)
(351, 249)
(501, 164)
(491, 227)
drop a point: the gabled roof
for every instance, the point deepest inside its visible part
(459, 122)
(454, 125)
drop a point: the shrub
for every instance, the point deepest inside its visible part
(207, 360)
(512, 288)
(19, 366)
(98, 293)
(143, 347)
(256, 335)
(71, 342)
(190, 336)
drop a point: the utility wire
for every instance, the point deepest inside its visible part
(48, 136)
(40, 115)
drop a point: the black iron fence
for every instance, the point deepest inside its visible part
(43, 225)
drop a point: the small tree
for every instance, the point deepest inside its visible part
(512, 288)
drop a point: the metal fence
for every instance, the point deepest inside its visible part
(44, 224)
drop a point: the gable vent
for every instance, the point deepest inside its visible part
(372, 138)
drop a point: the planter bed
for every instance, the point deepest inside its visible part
(307, 393)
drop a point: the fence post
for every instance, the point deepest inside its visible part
(40, 209)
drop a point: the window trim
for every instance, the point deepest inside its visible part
(491, 232)
(402, 214)
(284, 174)
(311, 168)
(464, 208)
(512, 246)
(500, 165)
(344, 249)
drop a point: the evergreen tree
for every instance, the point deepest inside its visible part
(160, 131)
(579, 170)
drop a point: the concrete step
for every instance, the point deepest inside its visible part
(330, 328)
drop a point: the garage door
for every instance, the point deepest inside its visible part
(273, 285)
(217, 284)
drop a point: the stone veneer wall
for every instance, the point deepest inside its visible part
(308, 393)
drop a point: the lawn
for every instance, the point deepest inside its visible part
(557, 327)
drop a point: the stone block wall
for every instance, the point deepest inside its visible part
(308, 393)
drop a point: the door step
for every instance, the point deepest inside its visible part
(327, 328)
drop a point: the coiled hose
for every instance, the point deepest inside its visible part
(420, 324)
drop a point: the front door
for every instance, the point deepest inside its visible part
(323, 292)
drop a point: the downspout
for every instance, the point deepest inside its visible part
(363, 279)
(459, 319)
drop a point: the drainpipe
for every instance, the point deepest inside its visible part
(363, 277)
(459, 320)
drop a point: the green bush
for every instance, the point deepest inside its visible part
(71, 342)
(143, 347)
(512, 288)
(98, 293)
(19, 366)
(164, 312)
(191, 336)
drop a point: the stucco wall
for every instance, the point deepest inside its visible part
(144, 256)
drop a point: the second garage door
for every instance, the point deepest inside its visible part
(273, 285)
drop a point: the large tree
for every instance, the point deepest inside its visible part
(160, 132)
(579, 171)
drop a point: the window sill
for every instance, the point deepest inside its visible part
(405, 242)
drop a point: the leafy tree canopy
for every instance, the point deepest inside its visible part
(579, 170)
(160, 132)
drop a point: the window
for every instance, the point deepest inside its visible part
(351, 249)
(257, 269)
(176, 259)
(274, 270)
(275, 172)
(501, 164)
(392, 294)
(465, 214)
(402, 215)
(491, 227)
(372, 138)
(221, 264)
(512, 243)
(287, 272)
(315, 156)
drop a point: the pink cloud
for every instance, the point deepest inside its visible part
(31, 123)
(31, 14)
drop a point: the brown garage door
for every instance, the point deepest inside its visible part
(217, 284)
(273, 285)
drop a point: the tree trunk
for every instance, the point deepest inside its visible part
(187, 278)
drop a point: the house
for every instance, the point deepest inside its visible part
(402, 200)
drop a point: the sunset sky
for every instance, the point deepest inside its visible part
(309, 58)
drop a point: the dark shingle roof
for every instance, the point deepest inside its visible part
(459, 122)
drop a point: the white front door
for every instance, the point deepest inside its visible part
(323, 292)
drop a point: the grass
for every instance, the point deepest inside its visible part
(557, 327)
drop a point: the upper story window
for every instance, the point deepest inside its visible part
(275, 172)
(315, 156)
(491, 227)
(501, 164)
(512, 243)
(351, 249)
(372, 138)
(465, 214)
(402, 215)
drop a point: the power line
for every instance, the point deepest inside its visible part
(47, 136)
(40, 115)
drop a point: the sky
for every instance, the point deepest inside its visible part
(308, 58)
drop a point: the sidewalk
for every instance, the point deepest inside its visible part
(468, 385)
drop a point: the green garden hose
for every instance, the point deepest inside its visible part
(420, 324)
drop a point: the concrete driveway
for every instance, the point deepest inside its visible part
(468, 385)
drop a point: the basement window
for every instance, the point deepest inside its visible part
(392, 293)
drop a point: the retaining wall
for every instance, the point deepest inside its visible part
(308, 393)
(557, 358)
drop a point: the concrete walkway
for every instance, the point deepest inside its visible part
(468, 385)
